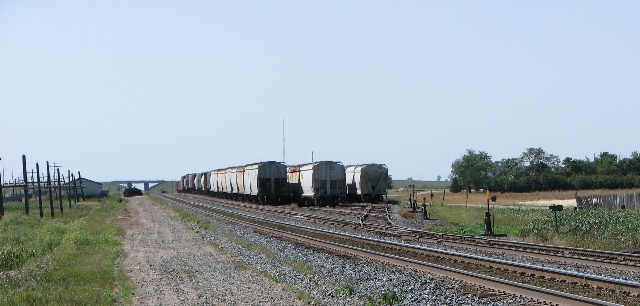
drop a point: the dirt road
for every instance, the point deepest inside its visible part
(171, 264)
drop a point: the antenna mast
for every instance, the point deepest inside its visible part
(283, 160)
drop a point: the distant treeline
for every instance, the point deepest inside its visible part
(536, 170)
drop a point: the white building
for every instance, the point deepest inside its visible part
(90, 188)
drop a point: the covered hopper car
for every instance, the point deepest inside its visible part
(366, 183)
(319, 183)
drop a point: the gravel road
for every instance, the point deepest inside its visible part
(171, 264)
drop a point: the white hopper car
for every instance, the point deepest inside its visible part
(367, 182)
(319, 183)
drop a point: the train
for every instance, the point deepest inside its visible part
(321, 183)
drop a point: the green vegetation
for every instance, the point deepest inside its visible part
(612, 230)
(345, 289)
(385, 298)
(66, 260)
(537, 170)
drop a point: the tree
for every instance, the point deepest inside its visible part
(538, 162)
(389, 182)
(473, 169)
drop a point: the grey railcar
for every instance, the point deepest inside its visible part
(319, 183)
(366, 182)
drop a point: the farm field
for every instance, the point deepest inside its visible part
(525, 217)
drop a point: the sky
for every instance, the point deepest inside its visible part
(124, 90)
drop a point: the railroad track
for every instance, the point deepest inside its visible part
(550, 285)
(361, 220)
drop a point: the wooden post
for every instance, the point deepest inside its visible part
(39, 190)
(75, 189)
(26, 185)
(444, 192)
(50, 192)
(69, 187)
(59, 188)
(1, 198)
(81, 185)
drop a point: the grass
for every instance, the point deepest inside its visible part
(345, 289)
(66, 260)
(611, 230)
(385, 298)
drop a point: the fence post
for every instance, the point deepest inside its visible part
(81, 185)
(69, 187)
(59, 189)
(49, 186)
(1, 199)
(26, 186)
(75, 190)
(39, 190)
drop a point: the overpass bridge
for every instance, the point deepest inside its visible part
(146, 183)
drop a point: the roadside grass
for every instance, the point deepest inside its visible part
(66, 260)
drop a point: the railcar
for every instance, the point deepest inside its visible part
(366, 182)
(179, 184)
(223, 187)
(204, 183)
(232, 183)
(240, 183)
(197, 182)
(319, 183)
(190, 183)
(265, 182)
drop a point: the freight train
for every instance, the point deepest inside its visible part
(318, 183)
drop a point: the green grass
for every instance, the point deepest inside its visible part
(612, 230)
(385, 298)
(470, 221)
(66, 260)
(345, 289)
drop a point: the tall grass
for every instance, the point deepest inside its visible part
(66, 260)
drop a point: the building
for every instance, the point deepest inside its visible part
(90, 188)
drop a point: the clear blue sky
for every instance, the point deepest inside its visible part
(156, 89)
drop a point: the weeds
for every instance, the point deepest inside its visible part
(345, 289)
(385, 298)
(67, 260)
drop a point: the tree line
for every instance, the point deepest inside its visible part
(537, 170)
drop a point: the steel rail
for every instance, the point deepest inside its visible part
(608, 259)
(593, 280)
